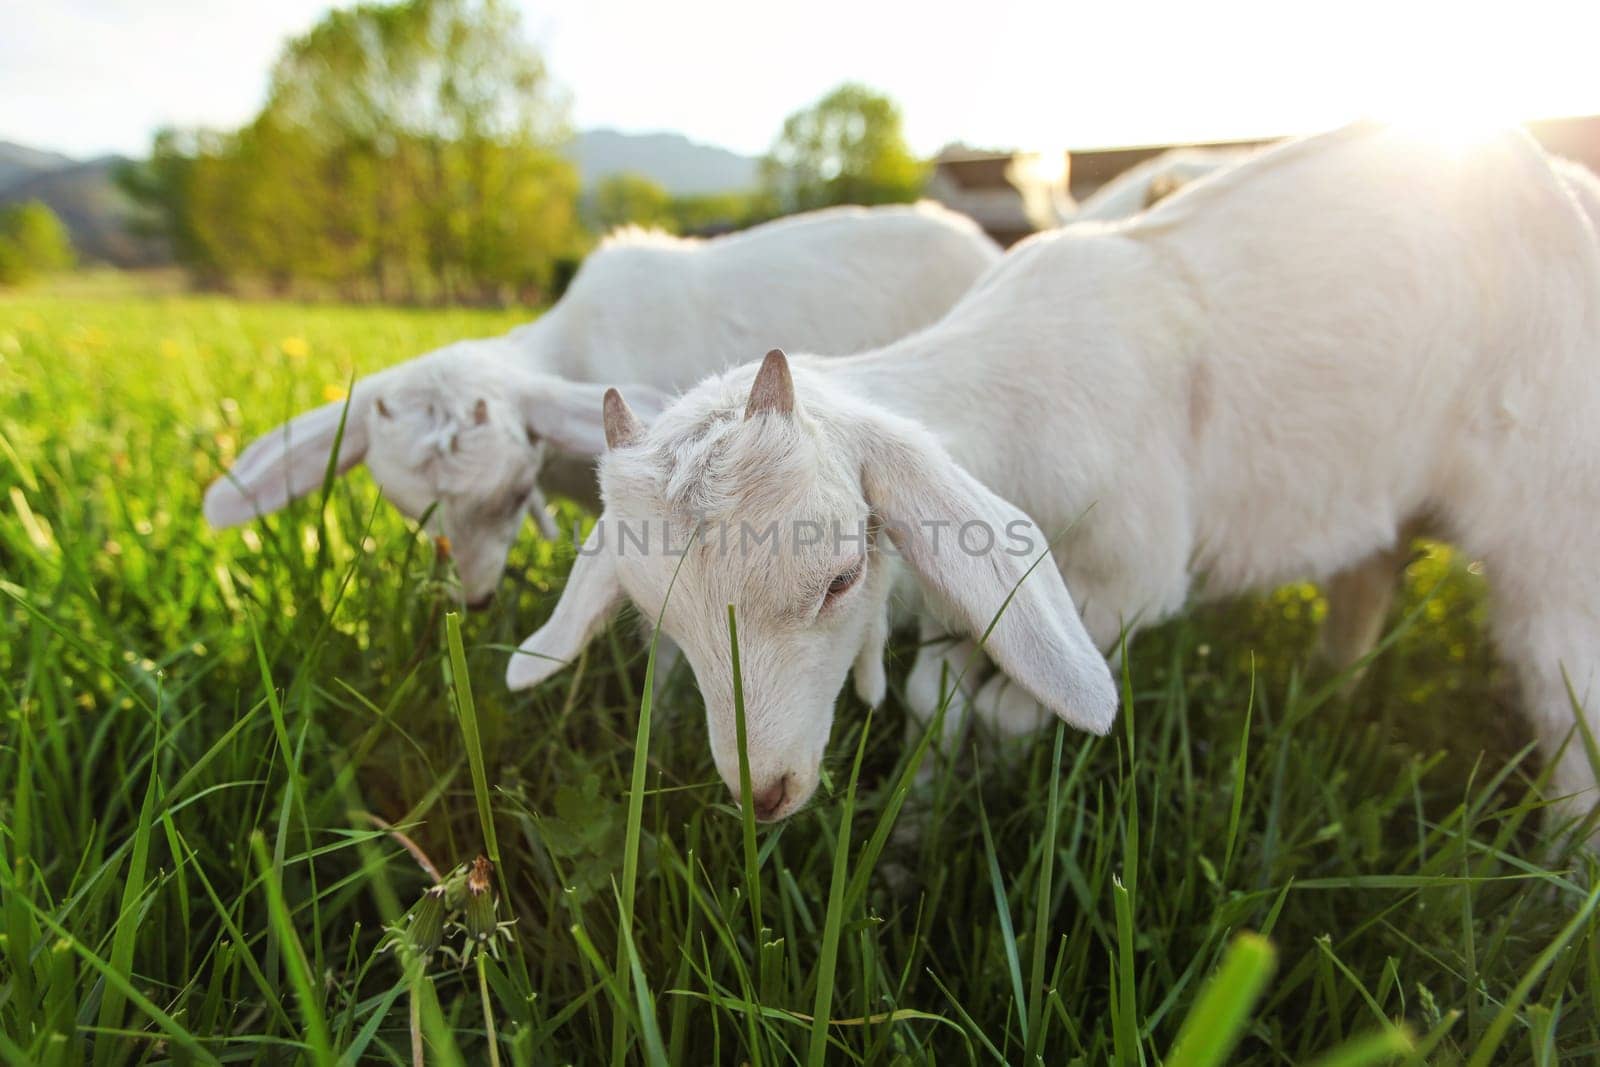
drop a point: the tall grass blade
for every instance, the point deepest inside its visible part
(1003, 914)
(1125, 1023)
(1369, 1050)
(827, 962)
(1222, 1010)
(1496, 1032)
(175, 1032)
(311, 1016)
(1042, 898)
(467, 716)
(747, 809)
(127, 929)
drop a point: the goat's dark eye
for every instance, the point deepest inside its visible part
(842, 582)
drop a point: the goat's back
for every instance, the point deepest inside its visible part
(1381, 319)
(668, 311)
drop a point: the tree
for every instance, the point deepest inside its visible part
(443, 71)
(847, 148)
(441, 114)
(406, 150)
(722, 212)
(627, 198)
(161, 187)
(33, 241)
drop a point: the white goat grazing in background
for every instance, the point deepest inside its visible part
(467, 427)
(1262, 379)
(1152, 181)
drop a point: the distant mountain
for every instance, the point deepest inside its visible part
(679, 165)
(19, 161)
(95, 211)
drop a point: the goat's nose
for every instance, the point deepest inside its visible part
(768, 799)
(482, 602)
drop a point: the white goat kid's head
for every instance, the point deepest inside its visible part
(796, 499)
(459, 435)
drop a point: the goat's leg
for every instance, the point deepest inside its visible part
(867, 670)
(1544, 600)
(667, 656)
(1009, 710)
(944, 666)
(1555, 646)
(1358, 605)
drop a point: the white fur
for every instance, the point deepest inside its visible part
(1359, 597)
(1261, 379)
(1584, 185)
(468, 426)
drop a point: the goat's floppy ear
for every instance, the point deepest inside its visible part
(592, 593)
(923, 499)
(290, 461)
(571, 415)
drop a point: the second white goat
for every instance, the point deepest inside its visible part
(467, 430)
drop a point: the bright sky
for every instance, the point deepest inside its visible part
(91, 76)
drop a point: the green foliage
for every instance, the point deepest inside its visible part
(33, 242)
(222, 753)
(632, 199)
(163, 188)
(721, 212)
(847, 148)
(407, 151)
(624, 199)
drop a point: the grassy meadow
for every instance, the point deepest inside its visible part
(228, 759)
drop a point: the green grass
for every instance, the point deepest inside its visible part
(222, 755)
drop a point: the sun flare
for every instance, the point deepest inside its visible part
(1458, 118)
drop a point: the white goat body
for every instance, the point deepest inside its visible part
(466, 427)
(1261, 379)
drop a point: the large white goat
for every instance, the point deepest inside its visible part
(1261, 379)
(467, 427)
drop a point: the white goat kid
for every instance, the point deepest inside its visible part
(470, 427)
(777, 481)
(1262, 379)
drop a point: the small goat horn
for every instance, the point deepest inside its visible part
(773, 389)
(622, 426)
